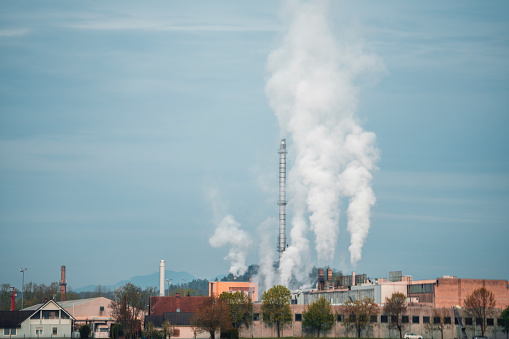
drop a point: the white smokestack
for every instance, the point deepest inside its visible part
(161, 278)
(311, 89)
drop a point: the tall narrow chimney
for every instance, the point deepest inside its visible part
(63, 283)
(282, 199)
(161, 278)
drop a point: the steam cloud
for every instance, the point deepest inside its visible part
(228, 232)
(311, 87)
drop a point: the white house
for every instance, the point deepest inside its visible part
(48, 321)
(95, 312)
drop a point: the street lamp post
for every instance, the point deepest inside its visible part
(22, 270)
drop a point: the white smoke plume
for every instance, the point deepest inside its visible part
(228, 232)
(311, 87)
(266, 276)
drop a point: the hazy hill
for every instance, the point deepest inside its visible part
(144, 281)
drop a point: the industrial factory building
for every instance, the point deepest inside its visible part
(446, 293)
(248, 288)
(417, 320)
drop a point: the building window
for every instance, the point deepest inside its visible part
(50, 314)
(447, 320)
(55, 330)
(468, 321)
(478, 321)
(436, 320)
(37, 315)
(13, 331)
(374, 319)
(394, 319)
(351, 318)
(38, 331)
(64, 315)
(256, 317)
(425, 320)
(500, 322)
(490, 322)
(405, 319)
(415, 319)
(384, 318)
(340, 318)
(456, 322)
(298, 317)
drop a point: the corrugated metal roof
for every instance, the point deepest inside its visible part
(65, 304)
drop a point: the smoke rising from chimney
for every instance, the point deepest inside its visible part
(311, 88)
(228, 232)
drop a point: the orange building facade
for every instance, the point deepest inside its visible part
(249, 288)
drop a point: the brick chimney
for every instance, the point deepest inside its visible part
(63, 283)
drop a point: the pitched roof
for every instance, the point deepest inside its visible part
(12, 319)
(175, 318)
(160, 305)
(65, 304)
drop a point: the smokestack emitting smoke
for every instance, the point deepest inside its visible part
(311, 89)
(162, 266)
(282, 198)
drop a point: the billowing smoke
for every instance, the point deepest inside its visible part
(266, 276)
(229, 233)
(311, 87)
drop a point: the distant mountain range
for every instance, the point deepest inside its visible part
(144, 281)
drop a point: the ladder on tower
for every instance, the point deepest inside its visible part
(462, 332)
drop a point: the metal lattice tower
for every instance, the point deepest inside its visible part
(282, 198)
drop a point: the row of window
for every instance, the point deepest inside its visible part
(50, 314)
(416, 320)
(39, 331)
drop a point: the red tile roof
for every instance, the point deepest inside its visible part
(160, 305)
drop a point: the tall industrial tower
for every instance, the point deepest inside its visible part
(282, 198)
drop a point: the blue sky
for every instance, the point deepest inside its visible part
(118, 119)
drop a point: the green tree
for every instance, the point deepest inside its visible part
(85, 331)
(358, 314)
(395, 307)
(505, 321)
(480, 305)
(151, 332)
(168, 330)
(319, 316)
(276, 307)
(240, 308)
(213, 315)
(117, 331)
(127, 308)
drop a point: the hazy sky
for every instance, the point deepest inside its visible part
(128, 130)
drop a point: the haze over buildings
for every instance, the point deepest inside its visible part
(129, 133)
